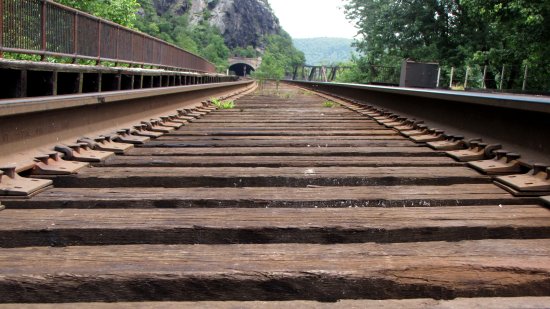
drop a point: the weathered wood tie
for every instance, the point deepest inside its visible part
(277, 199)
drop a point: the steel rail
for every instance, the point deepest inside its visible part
(31, 126)
(519, 123)
(14, 107)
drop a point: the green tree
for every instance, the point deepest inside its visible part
(279, 58)
(248, 52)
(512, 32)
(356, 71)
(457, 32)
(119, 11)
(394, 30)
(216, 51)
(271, 68)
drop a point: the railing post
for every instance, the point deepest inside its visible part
(117, 44)
(502, 76)
(43, 29)
(484, 85)
(438, 77)
(161, 62)
(1, 28)
(143, 53)
(98, 61)
(451, 79)
(134, 58)
(75, 37)
(524, 86)
(466, 78)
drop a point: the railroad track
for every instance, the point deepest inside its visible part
(279, 199)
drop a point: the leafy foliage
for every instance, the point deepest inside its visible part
(248, 52)
(222, 104)
(119, 11)
(394, 30)
(280, 55)
(453, 32)
(356, 72)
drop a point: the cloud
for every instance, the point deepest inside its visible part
(313, 18)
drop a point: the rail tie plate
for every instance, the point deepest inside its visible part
(52, 164)
(535, 183)
(504, 163)
(13, 185)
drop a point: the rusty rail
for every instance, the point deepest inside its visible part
(517, 121)
(46, 28)
(78, 115)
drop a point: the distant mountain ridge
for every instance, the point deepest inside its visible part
(323, 51)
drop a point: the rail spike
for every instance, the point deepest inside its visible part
(476, 151)
(105, 143)
(409, 124)
(451, 142)
(432, 135)
(419, 129)
(126, 136)
(143, 130)
(82, 152)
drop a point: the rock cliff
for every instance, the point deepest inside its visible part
(242, 22)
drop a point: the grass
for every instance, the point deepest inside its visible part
(222, 104)
(285, 95)
(328, 104)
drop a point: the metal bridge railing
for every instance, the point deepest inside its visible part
(375, 74)
(505, 78)
(46, 28)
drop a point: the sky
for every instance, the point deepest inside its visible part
(313, 18)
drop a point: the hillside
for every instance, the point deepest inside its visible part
(320, 51)
(241, 22)
(217, 29)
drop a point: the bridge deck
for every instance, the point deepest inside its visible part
(280, 198)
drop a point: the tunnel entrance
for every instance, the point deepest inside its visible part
(241, 69)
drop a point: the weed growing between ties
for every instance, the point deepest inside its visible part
(285, 95)
(222, 104)
(328, 104)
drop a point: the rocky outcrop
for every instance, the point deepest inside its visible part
(177, 7)
(242, 22)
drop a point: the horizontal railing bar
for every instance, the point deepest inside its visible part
(53, 54)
